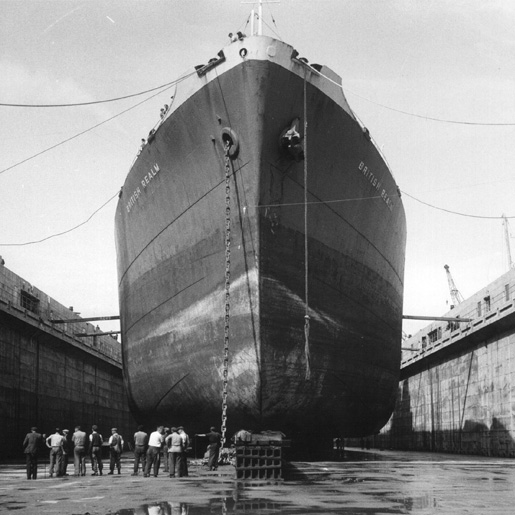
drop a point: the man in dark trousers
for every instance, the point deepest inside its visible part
(79, 440)
(115, 450)
(214, 439)
(31, 445)
(173, 443)
(155, 443)
(183, 462)
(55, 443)
(66, 453)
(95, 441)
(140, 450)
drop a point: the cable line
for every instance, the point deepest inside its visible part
(443, 120)
(456, 212)
(64, 232)
(261, 206)
(92, 102)
(93, 127)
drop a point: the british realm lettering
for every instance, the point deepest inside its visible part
(147, 178)
(375, 183)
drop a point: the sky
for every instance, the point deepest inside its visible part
(433, 81)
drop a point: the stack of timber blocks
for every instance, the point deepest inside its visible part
(259, 458)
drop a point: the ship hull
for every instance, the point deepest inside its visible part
(338, 374)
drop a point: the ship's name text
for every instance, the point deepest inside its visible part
(147, 178)
(376, 184)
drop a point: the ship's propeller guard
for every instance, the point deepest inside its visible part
(229, 137)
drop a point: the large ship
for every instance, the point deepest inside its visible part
(261, 243)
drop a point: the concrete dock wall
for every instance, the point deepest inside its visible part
(457, 393)
(48, 376)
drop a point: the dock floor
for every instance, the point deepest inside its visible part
(362, 482)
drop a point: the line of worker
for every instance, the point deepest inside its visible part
(61, 445)
(172, 445)
(169, 445)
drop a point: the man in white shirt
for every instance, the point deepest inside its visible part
(155, 442)
(55, 443)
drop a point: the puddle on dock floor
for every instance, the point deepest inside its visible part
(254, 507)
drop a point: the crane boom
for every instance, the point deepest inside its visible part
(507, 241)
(456, 296)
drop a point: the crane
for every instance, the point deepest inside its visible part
(456, 296)
(507, 241)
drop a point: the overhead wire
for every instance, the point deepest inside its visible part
(93, 102)
(432, 118)
(165, 87)
(416, 115)
(63, 232)
(274, 205)
(95, 126)
(358, 199)
(456, 212)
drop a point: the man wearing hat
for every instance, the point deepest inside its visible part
(115, 450)
(31, 445)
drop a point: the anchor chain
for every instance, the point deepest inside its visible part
(227, 286)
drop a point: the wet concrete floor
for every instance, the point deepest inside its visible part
(363, 482)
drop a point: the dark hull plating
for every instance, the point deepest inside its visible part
(171, 262)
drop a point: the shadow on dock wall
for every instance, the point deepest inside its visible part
(46, 382)
(434, 427)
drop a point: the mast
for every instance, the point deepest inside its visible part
(259, 16)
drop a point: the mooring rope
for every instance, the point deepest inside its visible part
(306, 264)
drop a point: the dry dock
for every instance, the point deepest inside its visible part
(457, 387)
(50, 374)
(369, 483)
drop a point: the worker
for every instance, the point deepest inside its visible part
(96, 441)
(214, 440)
(55, 443)
(115, 450)
(164, 451)
(155, 442)
(79, 441)
(183, 464)
(66, 453)
(173, 444)
(31, 446)
(140, 449)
